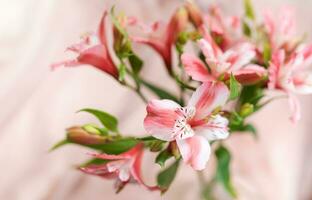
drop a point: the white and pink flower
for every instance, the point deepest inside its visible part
(125, 167)
(292, 75)
(193, 126)
(236, 61)
(92, 50)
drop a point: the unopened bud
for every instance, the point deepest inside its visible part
(92, 129)
(178, 23)
(175, 150)
(246, 109)
(79, 135)
(194, 13)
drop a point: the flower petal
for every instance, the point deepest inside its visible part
(215, 129)
(136, 172)
(98, 57)
(303, 82)
(250, 74)
(245, 52)
(195, 151)
(161, 118)
(207, 97)
(195, 68)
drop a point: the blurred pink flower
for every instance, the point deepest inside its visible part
(291, 75)
(281, 27)
(168, 36)
(125, 167)
(193, 126)
(227, 29)
(235, 60)
(92, 50)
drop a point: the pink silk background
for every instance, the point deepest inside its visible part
(37, 105)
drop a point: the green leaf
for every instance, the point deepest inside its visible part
(249, 11)
(94, 161)
(163, 157)
(161, 93)
(109, 121)
(136, 63)
(166, 177)
(59, 144)
(234, 88)
(250, 128)
(251, 94)
(223, 170)
(115, 147)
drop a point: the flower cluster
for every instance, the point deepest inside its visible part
(235, 60)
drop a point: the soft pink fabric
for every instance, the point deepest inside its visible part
(37, 105)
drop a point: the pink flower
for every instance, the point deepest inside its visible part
(291, 75)
(280, 27)
(167, 38)
(235, 60)
(193, 126)
(125, 167)
(92, 50)
(227, 29)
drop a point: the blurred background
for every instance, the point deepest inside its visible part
(38, 104)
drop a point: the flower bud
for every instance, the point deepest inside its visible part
(246, 109)
(177, 24)
(175, 150)
(81, 136)
(194, 14)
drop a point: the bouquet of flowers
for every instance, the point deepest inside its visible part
(222, 67)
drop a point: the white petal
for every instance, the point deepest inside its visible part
(215, 129)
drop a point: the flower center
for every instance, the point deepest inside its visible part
(182, 129)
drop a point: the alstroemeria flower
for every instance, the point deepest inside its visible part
(291, 75)
(235, 60)
(163, 43)
(227, 29)
(125, 167)
(193, 126)
(92, 50)
(281, 28)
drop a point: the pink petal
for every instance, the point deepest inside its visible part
(161, 118)
(207, 49)
(124, 174)
(208, 97)
(215, 129)
(250, 74)
(101, 30)
(66, 63)
(105, 156)
(195, 151)
(245, 52)
(303, 82)
(195, 68)
(136, 172)
(294, 108)
(98, 57)
(159, 46)
(99, 170)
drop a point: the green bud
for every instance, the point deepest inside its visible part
(90, 128)
(79, 135)
(246, 109)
